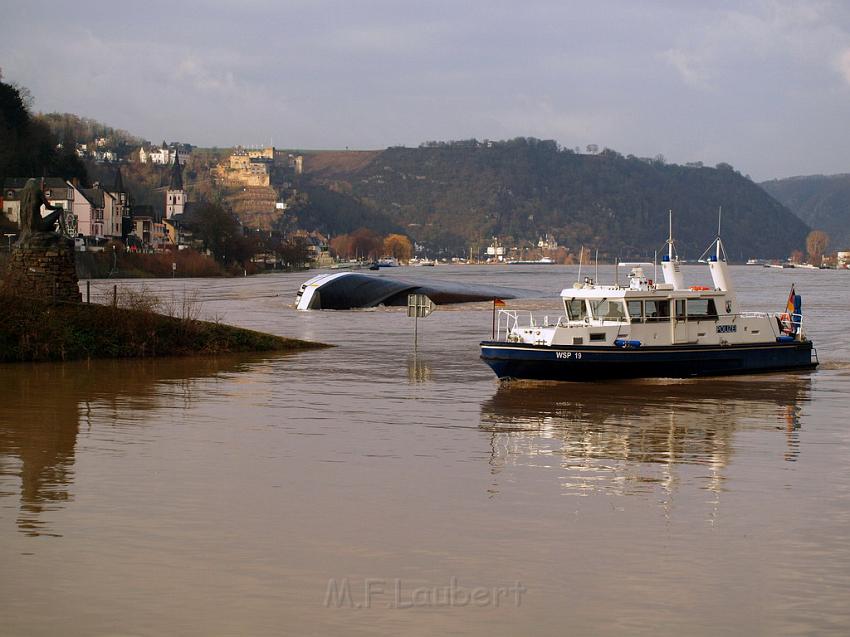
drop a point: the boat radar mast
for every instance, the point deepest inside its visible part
(670, 262)
(717, 262)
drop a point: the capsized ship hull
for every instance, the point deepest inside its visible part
(349, 290)
(589, 363)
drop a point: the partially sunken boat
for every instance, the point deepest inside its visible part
(351, 290)
(649, 329)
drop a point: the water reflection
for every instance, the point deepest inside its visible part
(640, 437)
(46, 406)
(418, 368)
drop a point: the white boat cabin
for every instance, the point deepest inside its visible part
(645, 314)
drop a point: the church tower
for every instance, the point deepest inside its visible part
(123, 204)
(175, 196)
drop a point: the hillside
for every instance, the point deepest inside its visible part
(822, 201)
(335, 162)
(27, 145)
(453, 194)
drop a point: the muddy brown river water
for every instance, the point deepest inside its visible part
(369, 489)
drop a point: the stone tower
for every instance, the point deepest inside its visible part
(175, 196)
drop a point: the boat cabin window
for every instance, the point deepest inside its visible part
(576, 309)
(656, 310)
(681, 315)
(702, 309)
(635, 307)
(607, 309)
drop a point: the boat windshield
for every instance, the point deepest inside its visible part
(576, 309)
(608, 309)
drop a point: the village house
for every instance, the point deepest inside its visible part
(316, 243)
(149, 231)
(106, 219)
(164, 155)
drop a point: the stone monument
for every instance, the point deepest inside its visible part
(42, 262)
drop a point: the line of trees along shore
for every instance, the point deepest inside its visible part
(364, 243)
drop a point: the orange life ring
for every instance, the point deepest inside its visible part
(699, 288)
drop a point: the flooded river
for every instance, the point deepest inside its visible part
(373, 489)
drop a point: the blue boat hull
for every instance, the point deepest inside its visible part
(581, 363)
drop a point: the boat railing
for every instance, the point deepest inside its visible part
(508, 320)
(782, 323)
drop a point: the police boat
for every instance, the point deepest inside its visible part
(648, 329)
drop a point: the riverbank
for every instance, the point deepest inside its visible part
(131, 265)
(32, 330)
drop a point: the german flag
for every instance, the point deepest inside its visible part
(789, 306)
(498, 303)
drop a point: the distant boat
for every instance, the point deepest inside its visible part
(349, 265)
(541, 261)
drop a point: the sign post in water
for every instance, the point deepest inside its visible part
(418, 306)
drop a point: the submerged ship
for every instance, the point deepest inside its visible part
(648, 329)
(350, 290)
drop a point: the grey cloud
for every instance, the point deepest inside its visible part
(763, 85)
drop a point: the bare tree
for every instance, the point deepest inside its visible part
(816, 245)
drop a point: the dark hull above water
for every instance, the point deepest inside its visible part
(354, 290)
(585, 363)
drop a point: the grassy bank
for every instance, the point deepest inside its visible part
(129, 265)
(33, 330)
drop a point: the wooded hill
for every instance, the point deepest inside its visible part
(822, 201)
(27, 146)
(450, 195)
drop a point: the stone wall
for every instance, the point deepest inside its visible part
(43, 270)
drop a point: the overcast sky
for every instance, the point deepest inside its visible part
(763, 85)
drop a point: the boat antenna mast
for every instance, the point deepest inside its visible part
(671, 249)
(596, 271)
(718, 265)
(717, 244)
(670, 261)
(580, 259)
